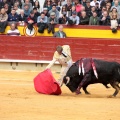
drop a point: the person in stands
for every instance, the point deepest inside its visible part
(3, 20)
(13, 30)
(60, 33)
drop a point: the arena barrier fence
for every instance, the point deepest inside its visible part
(42, 48)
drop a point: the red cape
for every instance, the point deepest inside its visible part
(45, 83)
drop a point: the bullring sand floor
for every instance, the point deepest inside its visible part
(20, 101)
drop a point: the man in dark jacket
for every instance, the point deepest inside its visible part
(88, 8)
(13, 16)
(105, 19)
(22, 17)
(84, 19)
(52, 21)
(31, 20)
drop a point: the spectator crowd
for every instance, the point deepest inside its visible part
(52, 12)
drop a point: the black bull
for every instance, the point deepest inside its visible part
(108, 73)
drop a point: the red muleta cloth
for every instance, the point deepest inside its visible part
(45, 83)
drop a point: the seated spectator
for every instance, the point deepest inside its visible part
(54, 2)
(114, 1)
(52, 21)
(36, 12)
(108, 6)
(97, 9)
(64, 9)
(31, 1)
(84, 19)
(54, 9)
(105, 19)
(103, 3)
(88, 8)
(27, 2)
(21, 17)
(16, 9)
(63, 2)
(117, 6)
(16, 2)
(31, 20)
(58, 6)
(60, 33)
(26, 10)
(103, 9)
(72, 10)
(63, 19)
(13, 16)
(3, 2)
(74, 19)
(7, 8)
(78, 7)
(13, 30)
(94, 19)
(41, 5)
(3, 20)
(45, 10)
(68, 7)
(36, 4)
(82, 9)
(83, 2)
(92, 10)
(114, 23)
(48, 5)
(113, 11)
(42, 22)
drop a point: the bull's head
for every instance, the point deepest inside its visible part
(72, 78)
(68, 83)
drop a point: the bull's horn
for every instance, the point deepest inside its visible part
(68, 80)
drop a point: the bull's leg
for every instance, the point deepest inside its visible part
(106, 85)
(85, 89)
(85, 80)
(115, 85)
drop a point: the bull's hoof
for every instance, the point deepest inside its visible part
(111, 96)
(77, 92)
(107, 87)
(87, 93)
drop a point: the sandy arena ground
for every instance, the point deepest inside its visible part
(20, 101)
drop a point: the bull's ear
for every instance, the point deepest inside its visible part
(68, 80)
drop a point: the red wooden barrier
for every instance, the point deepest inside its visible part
(42, 48)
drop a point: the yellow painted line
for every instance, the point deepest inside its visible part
(85, 33)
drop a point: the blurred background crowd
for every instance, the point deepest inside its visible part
(47, 13)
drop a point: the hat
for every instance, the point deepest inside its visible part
(45, 8)
(87, 1)
(74, 13)
(52, 13)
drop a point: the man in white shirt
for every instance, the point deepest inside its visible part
(74, 19)
(63, 56)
